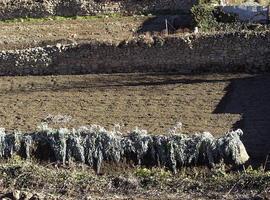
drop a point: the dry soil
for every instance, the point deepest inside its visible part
(152, 102)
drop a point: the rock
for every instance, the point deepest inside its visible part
(130, 183)
(36, 197)
(16, 194)
(58, 45)
(25, 195)
(22, 195)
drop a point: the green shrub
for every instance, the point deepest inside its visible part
(203, 15)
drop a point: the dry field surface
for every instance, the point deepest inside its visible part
(215, 103)
(38, 32)
(152, 102)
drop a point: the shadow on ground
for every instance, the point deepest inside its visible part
(157, 23)
(51, 83)
(251, 98)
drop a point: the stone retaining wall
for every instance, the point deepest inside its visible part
(42, 8)
(224, 52)
(95, 145)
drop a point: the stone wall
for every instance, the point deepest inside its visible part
(193, 53)
(95, 145)
(42, 8)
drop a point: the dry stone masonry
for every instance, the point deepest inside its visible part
(43, 8)
(192, 53)
(94, 145)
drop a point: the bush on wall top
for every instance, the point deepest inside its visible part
(209, 17)
(203, 16)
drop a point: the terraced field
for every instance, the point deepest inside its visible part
(38, 32)
(214, 103)
(152, 102)
(156, 102)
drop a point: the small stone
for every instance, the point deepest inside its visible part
(58, 45)
(36, 197)
(16, 194)
(130, 183)
(25, 195)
